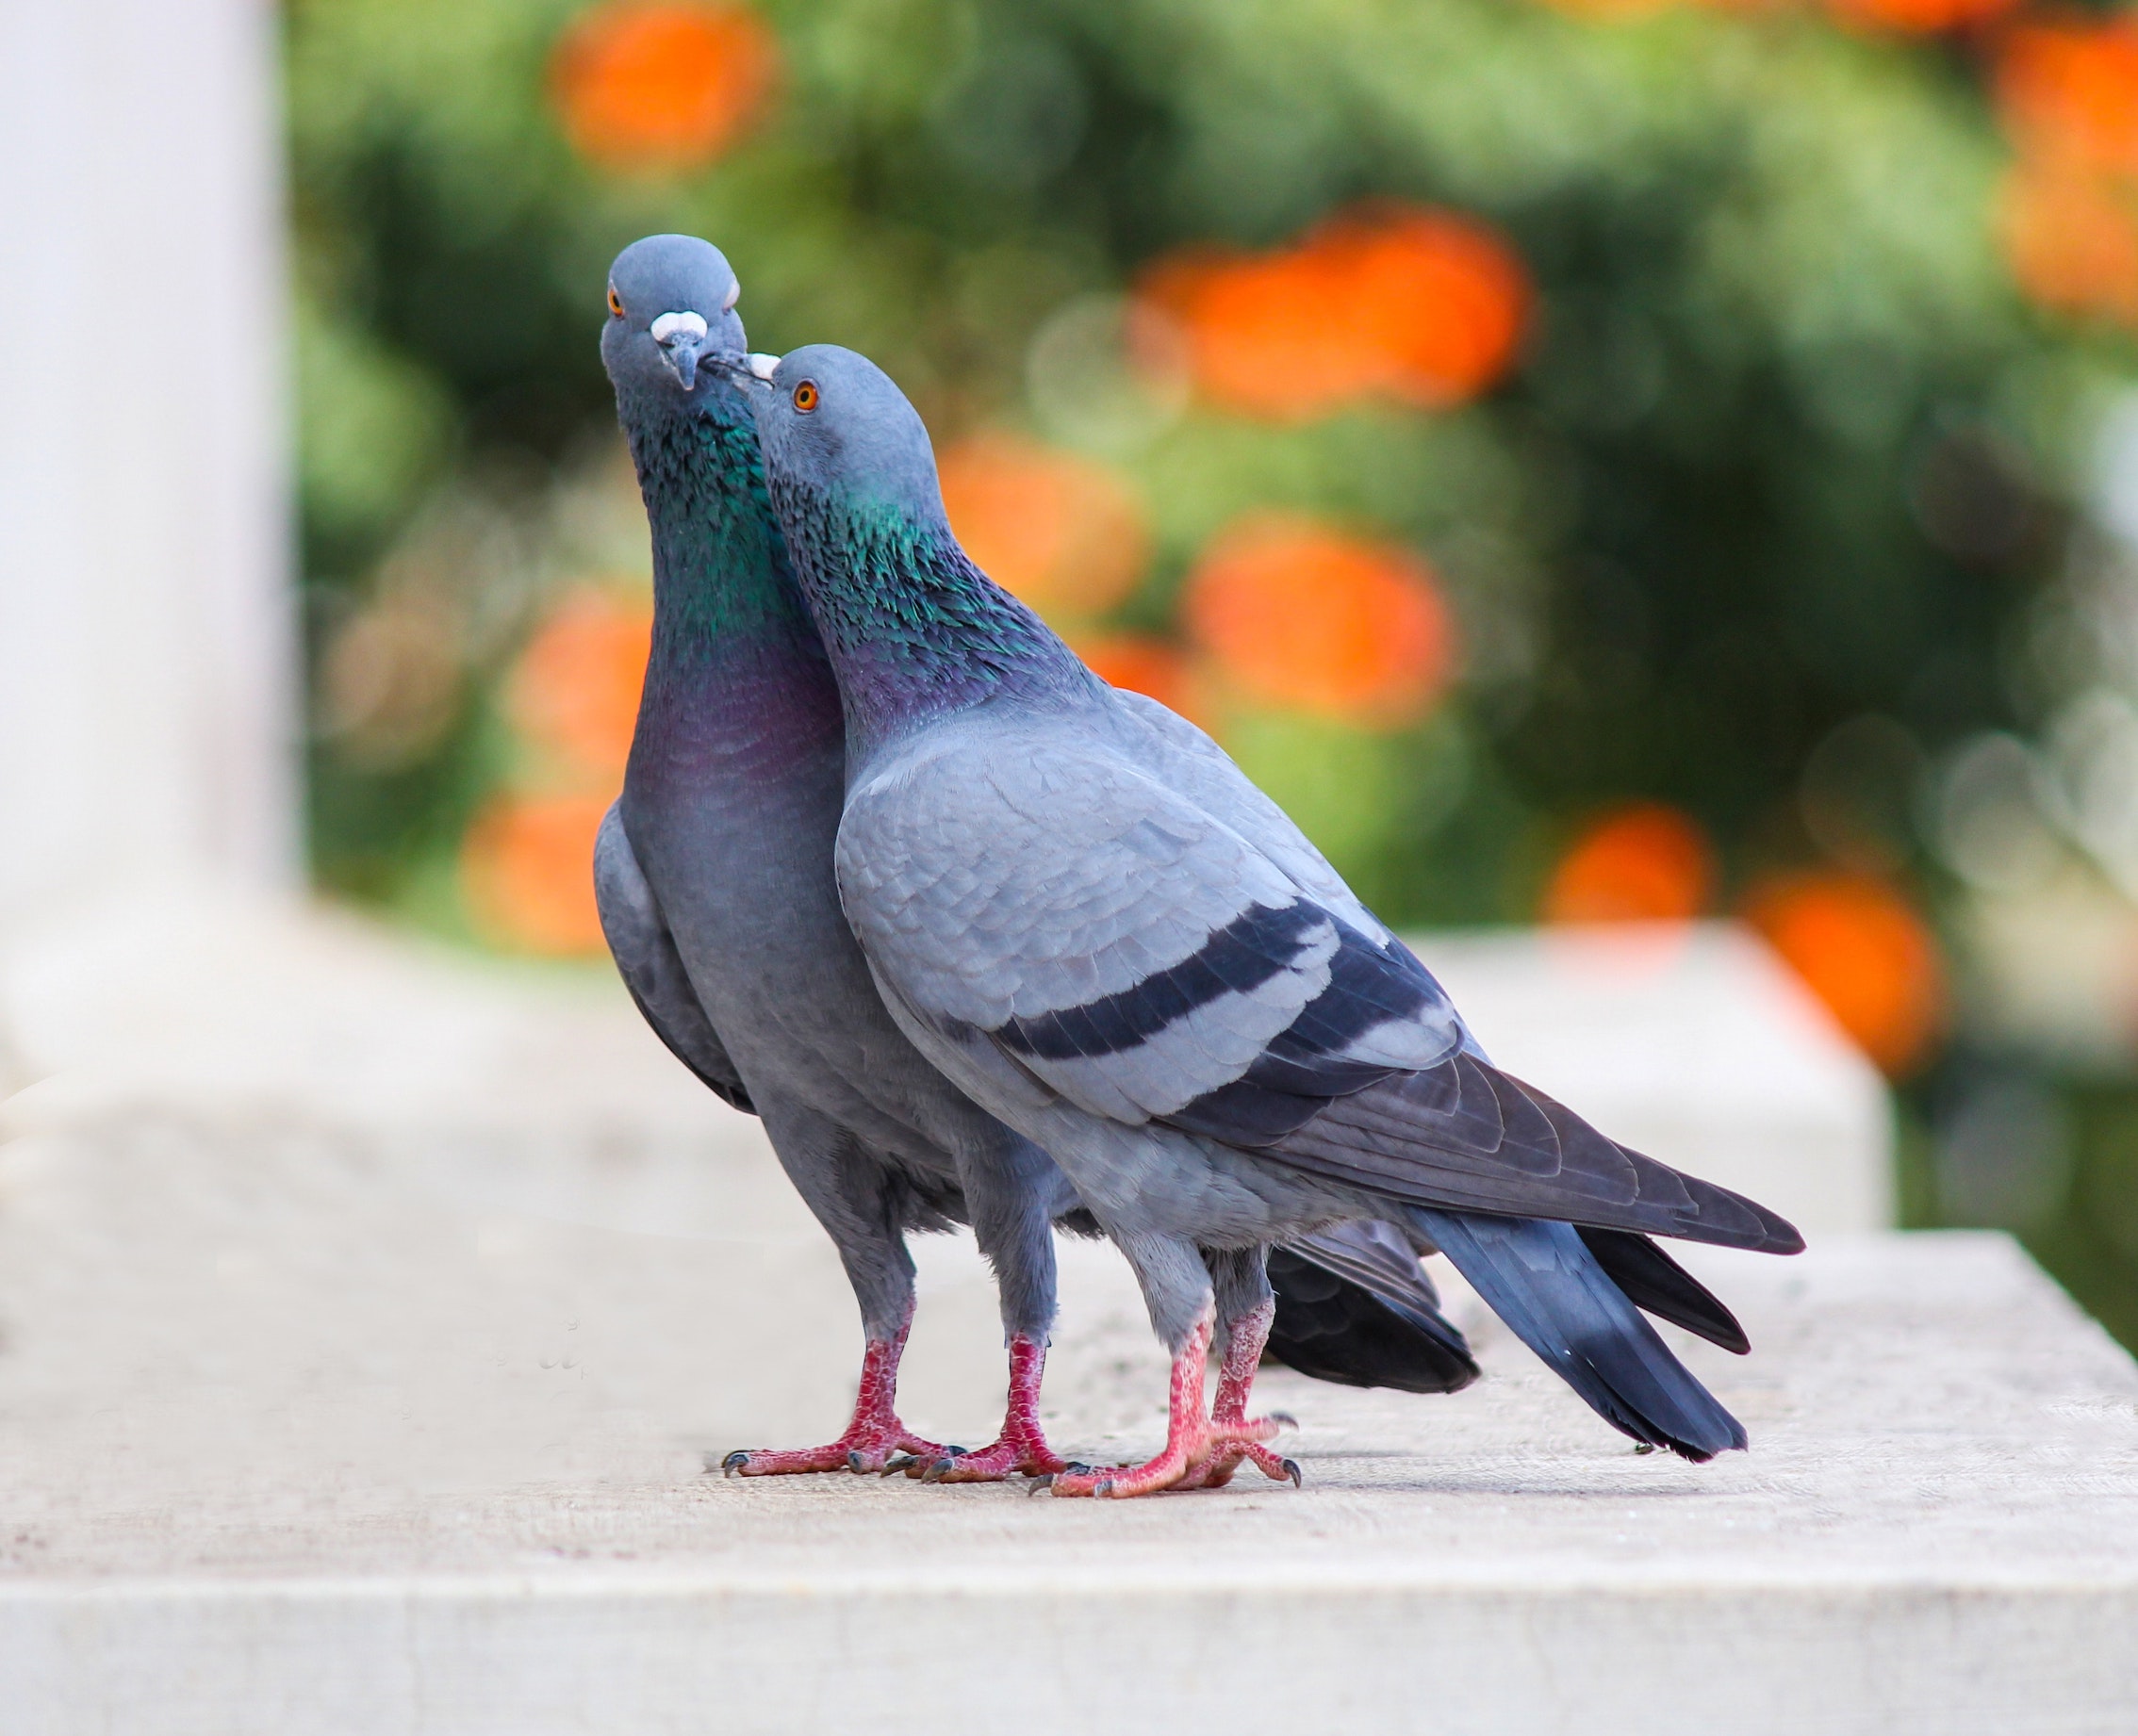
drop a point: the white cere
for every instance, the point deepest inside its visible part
(671, 326)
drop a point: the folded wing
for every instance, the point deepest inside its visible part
(1043, 896)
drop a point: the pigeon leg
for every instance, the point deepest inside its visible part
(1236, 1380)
(1189, 1440)
(1022, 1448)
(873, 1436)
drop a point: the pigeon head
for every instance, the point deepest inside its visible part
(835, 426)
(913, 627)
(671, 307)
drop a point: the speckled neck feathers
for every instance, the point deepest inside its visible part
(738, 671)
(914, 630)
(720, 571)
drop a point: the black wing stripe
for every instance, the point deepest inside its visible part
(1237, 958)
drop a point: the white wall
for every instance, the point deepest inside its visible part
(146, 665)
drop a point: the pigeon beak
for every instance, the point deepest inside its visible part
(746, 371)
(681, 336)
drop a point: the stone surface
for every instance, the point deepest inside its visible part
(289, 1442)
(366, 1319)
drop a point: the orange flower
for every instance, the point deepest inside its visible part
(1434, 303)
(1864, 952)
(1301, 613)
(1065, 534)
(1421, 305)
(1145, 665)
(1918, 17)
(2069, 92)
(1642, 862)
(527, 872)
(2071, 237)
(575, 689)
(661, 87)
(1253, 326)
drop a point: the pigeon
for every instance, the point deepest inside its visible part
(713, 875)
(1087, 916)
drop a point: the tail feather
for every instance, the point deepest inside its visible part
(1343, 1316)
(1657, 1284)
(1540, 1278)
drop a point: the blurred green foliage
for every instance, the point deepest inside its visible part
(1784, 450)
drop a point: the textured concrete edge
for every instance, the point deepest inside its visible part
(529, 1656)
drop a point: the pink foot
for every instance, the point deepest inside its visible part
(1190, 1437)
(1236, 1380)
(873, 1436)
(1021, 1449)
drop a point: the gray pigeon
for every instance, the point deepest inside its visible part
(713, 877)
(1085, 915)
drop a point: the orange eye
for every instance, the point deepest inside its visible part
(805, 396)
(616, 301)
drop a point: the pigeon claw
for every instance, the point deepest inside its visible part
(860, 1450)
(735, 1460)
(1012, 1456)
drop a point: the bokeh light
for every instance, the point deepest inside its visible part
(571, 699)
(1610, 12)
(661, 87)
(575, 688)
(1423, 307)
(2068, 92)
(1920, 17)
(1641, 862)
(526, 873)
(2071, 235)
(1065, 533)
(1299, 613)
(2069, 210)
(1865, 953)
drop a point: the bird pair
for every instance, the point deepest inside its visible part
(983, 939)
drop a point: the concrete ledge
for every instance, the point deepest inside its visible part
(343, 1388)
(278, 1461)
(1139, 1652)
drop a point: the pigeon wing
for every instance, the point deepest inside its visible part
(1041, 895)
(651, 968)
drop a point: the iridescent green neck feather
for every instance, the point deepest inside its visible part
(721, 580)
(914, 630)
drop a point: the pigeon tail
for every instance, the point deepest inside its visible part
(1335, 1323)
(1540, 1278)
(1657, 1284)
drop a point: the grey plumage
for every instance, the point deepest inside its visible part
(713, 870)
(713, 875)
(1081, 911)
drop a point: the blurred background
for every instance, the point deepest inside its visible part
(1590, 461)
